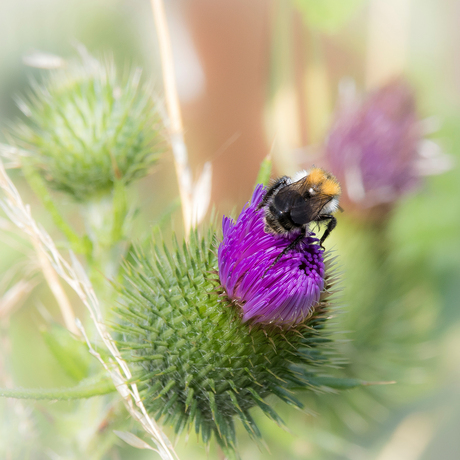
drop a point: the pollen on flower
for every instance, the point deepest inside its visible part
(283, 294)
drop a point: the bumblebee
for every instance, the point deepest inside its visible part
(292, 204)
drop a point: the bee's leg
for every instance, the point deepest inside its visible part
(279, 183)
(288, 248)
(330, 226)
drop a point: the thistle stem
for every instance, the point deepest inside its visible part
(81, 391)
(120, 208)
(36, 183)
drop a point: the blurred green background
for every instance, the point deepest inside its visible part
(255, 77)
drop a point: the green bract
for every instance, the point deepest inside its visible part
(193, 359)
(87, 128)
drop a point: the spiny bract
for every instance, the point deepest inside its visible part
(194, 359)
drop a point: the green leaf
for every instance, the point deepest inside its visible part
(327, 15)
(71, 353)
(265, 170)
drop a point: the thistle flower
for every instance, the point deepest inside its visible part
(87, 128)
(282, 294)
(376, 147)
(194, 357)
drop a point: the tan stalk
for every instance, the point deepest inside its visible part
(387, 41)
(176, 130)
(59, 294)
(14, 297)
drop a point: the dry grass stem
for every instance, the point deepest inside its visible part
(387, 43)
(59, 294)
(14, 297)
(194, 202)
(74, 275)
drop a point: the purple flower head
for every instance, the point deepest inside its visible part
(373, 146)
(283, 294)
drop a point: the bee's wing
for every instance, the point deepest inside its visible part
(290, 200)
(304, 211)
(287, 198)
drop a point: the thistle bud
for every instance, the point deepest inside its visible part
(208, 337)
(86, 128)
(376, 147)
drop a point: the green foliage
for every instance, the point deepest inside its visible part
(71, 353)
(194, 360)
(87, 388)
(327, 15)
(390, 318)
(88, 129)
(265, 170)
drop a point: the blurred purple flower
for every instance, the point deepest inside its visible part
(284, 294)
(376, 147)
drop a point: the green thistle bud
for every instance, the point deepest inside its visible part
(87, 128)
(197, 364)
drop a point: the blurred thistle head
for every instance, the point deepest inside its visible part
(87, 128)
(208, 337)
(376, 146)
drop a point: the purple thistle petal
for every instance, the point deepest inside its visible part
(282, 294)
